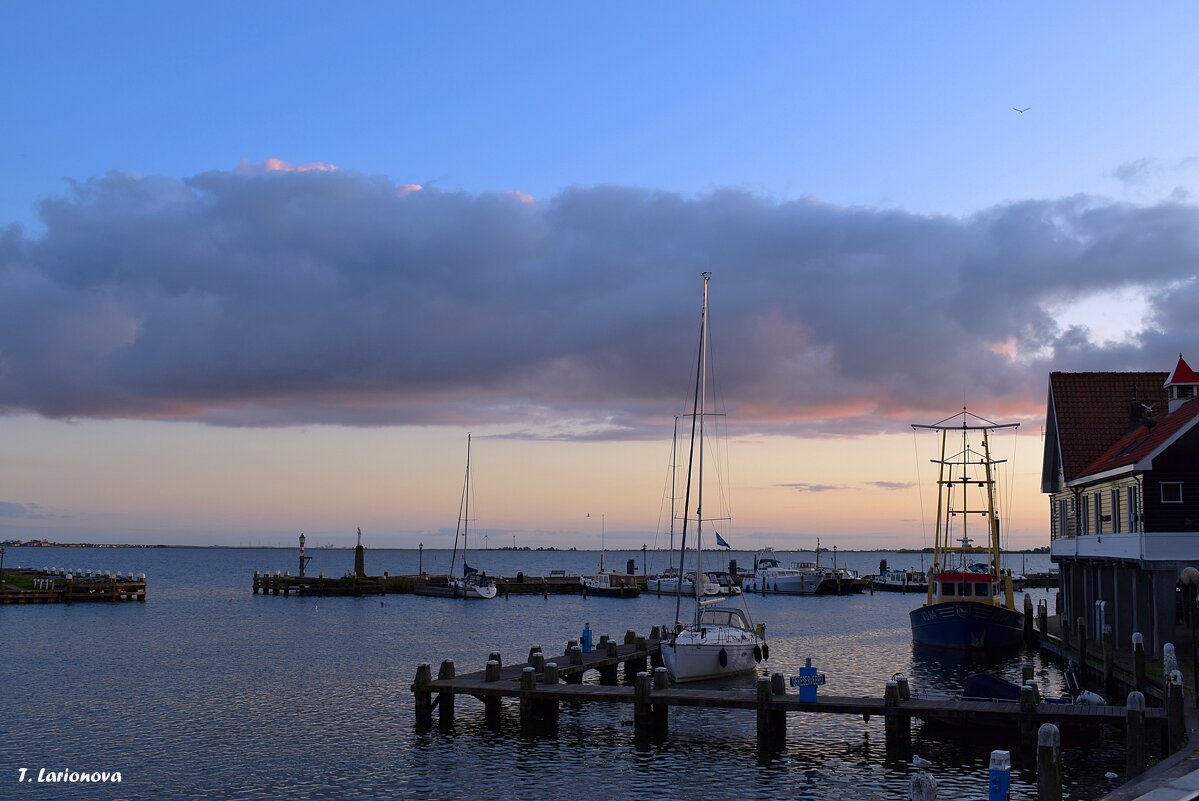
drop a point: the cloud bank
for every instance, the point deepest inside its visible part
(271, 297)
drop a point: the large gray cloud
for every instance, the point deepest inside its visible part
(285, 297)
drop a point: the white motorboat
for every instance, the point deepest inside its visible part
(770, 576)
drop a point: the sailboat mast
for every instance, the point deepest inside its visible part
(465, 506)
(703, 319)
(699, 500)
(674, 479)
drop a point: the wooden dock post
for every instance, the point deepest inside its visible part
(1029, 698)
(538, 662)
(1138, 662)
(642, 712)
(576, 658)
(1026, 673)
(494, 656)
(661, 712)
(1030, 633)
(445, 700)
(609, 674)
(255, 582)
(1135, 734)
(423, 697)
(1080, 629)
(1109, 661)
(491, 703)
(492, 672)
(922, 787)
(898, 727)
(772, 724)
(778, 718)
(630, 637)
(528, 707)
(905, 690)
(549, 707)
(1043, 617)
(536, 649)
(1049, 763)
(1176, 733)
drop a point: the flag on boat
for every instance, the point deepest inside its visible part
(467, 569)
(720, 541)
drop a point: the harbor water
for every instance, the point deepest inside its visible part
(207, 691)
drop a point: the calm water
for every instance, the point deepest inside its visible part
(208, 691)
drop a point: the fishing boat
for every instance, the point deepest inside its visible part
(712, 642)
(471, 584)
(969, 603)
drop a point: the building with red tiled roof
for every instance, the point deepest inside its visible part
(1121, 465)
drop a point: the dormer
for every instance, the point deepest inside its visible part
(1182, 385)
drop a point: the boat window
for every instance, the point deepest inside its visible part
(982, 590)
(948, 588)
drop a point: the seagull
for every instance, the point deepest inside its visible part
(920, 761)
(1021, 110)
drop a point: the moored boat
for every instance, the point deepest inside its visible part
(969, 603)
(894, 579)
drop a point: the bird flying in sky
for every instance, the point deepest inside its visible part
(1021, 110)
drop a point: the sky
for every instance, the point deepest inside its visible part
(264, 266)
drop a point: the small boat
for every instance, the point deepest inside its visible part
(611, 585)
(715, 642)
(724, 582)
(969, 602)
(667, 583)
(990, 688)
(894, 579)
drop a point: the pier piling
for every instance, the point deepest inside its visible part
(1135, 734)
(1138, 662)
(1049, 763)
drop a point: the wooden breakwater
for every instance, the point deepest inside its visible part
(541, 684)
(27, 586)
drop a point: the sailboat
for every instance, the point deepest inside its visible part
(969, 602)
(713, 642)
(471, 584)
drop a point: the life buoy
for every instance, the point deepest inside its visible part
(724, 658)
(765, 651)
(757, 653)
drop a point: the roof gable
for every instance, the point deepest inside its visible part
(1145, 441)
(1091, 411)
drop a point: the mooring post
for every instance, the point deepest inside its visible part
(1026, 673)
(1049, 763)
(642, 714)
(905, 690)
(1169, 660)
(536, 649)
(661, 712)
(655, 633)
(603, 643)
(1138, 662)
(1176, 733)
(778, 684)
(255, 582)
(630, 637)
(1109, 661)
(575, 654)
(769, 731)
(1135, 733)
(778, 717)
(898, 727)
(1080, 628)
(423, 697)
(495, 656)
(528, 707)
(492, 673)
(922, 787)
(1028, 706)
(999, 776)
(1043, 617)
(445, 699)
(549, 707)
(1030, 634)
(491, 703)
(538, 662)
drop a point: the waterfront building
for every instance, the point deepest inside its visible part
(1121, 467)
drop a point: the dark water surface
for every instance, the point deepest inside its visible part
(208, 691)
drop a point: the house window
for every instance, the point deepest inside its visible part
(1115, 511)
(1084, 514)
(1063, 515)
(1171, 491)
(1134, 512)
(1100, 518)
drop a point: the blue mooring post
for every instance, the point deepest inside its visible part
(585, 638)
(1001, 776)
(807, 691)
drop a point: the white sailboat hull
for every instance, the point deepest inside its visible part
(695, 655)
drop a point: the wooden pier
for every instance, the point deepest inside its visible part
(26, 586)
(541, 684)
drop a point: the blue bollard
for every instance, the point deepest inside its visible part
(807, 692)
(1001, 776)
(585, 638)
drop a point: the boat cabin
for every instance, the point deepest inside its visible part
(733, 618)
(966, 586)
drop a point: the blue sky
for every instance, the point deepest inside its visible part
(523, 198)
